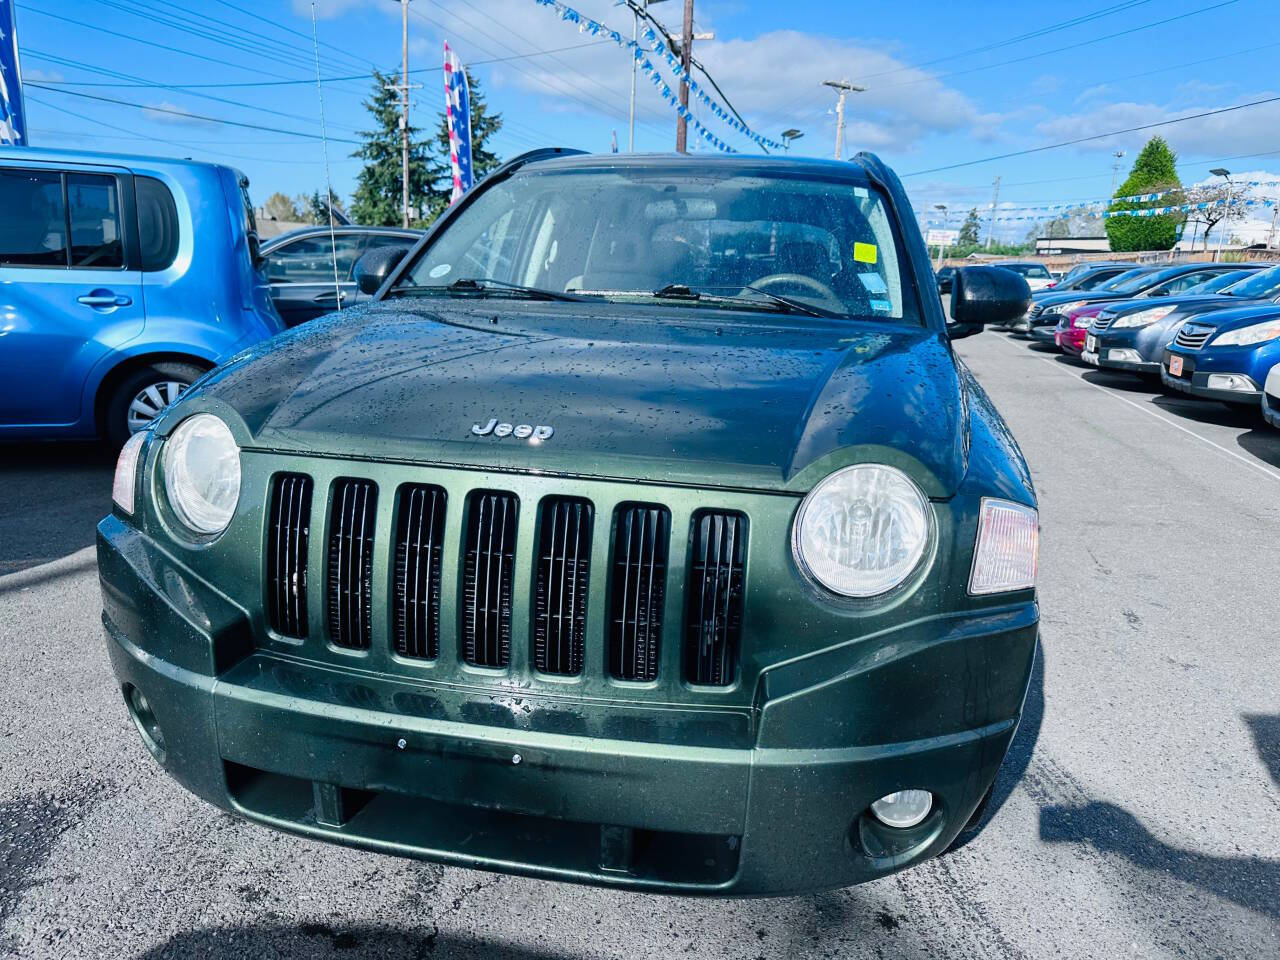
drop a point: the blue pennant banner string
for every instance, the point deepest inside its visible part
(596, 29)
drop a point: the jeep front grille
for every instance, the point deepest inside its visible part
(638, 590)
(490, 561)
(288, 534)
(713, 616)
(419, 539)
(560, 589)
(349, 577)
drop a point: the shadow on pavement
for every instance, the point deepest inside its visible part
(1018, 759)
(1209, 411)
(316, 940)
(1251, 882)
(1263, 443)
(1266, 737)
(54, 496)
(1127, 382)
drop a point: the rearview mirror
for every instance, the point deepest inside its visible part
(375, 266)
(983, 295)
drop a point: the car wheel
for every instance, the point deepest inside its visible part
(140, 397)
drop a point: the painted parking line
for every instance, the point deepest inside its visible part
(1079, 378)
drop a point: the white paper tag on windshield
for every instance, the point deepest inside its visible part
(873, 282)
(882, 306)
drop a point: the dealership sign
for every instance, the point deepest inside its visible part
(942, 238)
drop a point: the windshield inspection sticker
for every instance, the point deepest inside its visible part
(440, 270)
(864, 252)
(873, 282)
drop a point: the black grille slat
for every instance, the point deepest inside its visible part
(487, 574)
(713, 627)
(560, 593)
(349, 577)
(638, 590)
(419, 537)
(288, 535)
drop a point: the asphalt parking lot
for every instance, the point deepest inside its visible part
(1137, 814)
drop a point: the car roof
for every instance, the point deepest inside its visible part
(58, 155)
(853, 169)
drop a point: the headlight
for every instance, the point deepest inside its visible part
(202, 473)
(1246, 336)
(862, 531)
(1066, 307)
(122, 487)
(1006, 555)
(1081, 322)
(1142, 318)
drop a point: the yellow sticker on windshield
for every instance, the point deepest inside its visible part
(864, 252)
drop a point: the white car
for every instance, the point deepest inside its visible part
(1036, 274)
(1271, 397)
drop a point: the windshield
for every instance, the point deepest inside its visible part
(1131, 281)
(1263, 285)
(635, 233)
(1220, 282)
(1035, 271)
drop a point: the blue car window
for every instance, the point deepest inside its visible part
(157, 223)
(33, 219)
(1263, 285)
(93, 202)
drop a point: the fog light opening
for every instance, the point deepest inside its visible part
(145, 720)
(1232, 381)
(903, 809)
(1124, 356)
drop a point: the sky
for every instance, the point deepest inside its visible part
(948, 85)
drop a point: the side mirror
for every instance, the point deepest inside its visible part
(255, 251)
(983, 295)
(944, 284)
(375, 266)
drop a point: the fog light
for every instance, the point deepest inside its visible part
(1232, 381)
(1124, 356)
(145, 720)
(903, 809)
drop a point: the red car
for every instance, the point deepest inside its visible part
(1070, 333)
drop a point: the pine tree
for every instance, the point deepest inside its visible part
(378, 197)
(969, 230)
(1154, 171)
(484, 125)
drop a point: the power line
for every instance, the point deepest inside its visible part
(1098, 136)
(186, 115)
(298, 33)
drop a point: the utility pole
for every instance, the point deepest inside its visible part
(1271, 237)
(995, 207)
(1226, 215)
(404, 116)
(1115, 172)
(686, 61)
(844, 87)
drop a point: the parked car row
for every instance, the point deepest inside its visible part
(124, 279)
(1211, 330)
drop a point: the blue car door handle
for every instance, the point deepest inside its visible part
(104, 298)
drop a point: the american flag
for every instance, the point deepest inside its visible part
(13, 126)
(458, 113)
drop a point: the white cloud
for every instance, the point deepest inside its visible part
(1241, 131)
(775, 78)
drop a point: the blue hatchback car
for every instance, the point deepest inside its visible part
(122, 280)
(1225, 356)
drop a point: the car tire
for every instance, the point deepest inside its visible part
(153, 386)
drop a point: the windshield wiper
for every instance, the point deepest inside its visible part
(678, 291)
(488, 286)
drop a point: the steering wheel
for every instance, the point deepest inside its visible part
(823, 292)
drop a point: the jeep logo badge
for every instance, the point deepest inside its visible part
(520, 431)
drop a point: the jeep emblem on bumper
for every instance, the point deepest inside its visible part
(521, 431)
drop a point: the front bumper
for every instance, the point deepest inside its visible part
(556, 790)
(1271, 405)
(1196, 383)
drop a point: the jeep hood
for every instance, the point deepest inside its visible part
(673, 395)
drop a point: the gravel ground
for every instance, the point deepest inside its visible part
(1139, 812)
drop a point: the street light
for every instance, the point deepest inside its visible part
(1226, 175)
(943, 208)
(790, 136)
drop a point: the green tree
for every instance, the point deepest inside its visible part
(484, 126)
(317, 211)
(280, 207)
(1154, 171)
(378, 197)
(970, 229)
